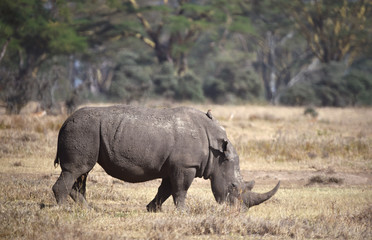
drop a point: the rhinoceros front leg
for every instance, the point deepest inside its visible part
(164, 191)
(181, 181)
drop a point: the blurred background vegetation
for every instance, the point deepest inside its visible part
(298, 52)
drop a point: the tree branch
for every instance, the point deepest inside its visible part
(147, 27)
(146, 40)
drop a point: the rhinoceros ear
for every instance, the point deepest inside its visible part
(221, 146)
(224, 145)
(227, 149)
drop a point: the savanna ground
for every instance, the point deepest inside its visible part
(324, 163)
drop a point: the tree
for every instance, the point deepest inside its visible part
(265, 30)
(334, 30)
(173, 28)
(131, 80)
(330, 85)
(33, 31)
(337, 33)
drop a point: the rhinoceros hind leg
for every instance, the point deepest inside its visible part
(164, 191)
(78, 190)
(63, 186)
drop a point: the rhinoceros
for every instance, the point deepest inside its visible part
(137, 144)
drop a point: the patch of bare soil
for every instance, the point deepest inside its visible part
(309, 177)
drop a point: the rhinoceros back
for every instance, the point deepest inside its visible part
(139, 144)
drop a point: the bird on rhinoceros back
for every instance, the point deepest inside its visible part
(138, 144)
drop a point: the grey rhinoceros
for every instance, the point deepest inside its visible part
(138, 144)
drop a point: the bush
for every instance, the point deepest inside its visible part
(190, 87)
(131, 80)
(247, 85)
(215, 88)
(232, 83)
(359, 82)
(165, 81)
(332, 85)
(299, 95)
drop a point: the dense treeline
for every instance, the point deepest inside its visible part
(284, 52)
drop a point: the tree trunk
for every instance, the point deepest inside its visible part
(266, 60)
(271, 42)
(182, 64)
(265, 73)
(3, 50)
(21, 92)
(162, 52)
(23, 88)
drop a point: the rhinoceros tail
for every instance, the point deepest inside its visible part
(56, 161)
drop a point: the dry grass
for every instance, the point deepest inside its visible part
(324, 164)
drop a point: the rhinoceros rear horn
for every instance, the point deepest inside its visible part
(258, 198)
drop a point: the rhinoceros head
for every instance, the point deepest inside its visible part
(227, 183)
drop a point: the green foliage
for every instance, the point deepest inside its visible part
(232, 84)
(190, 87)
(359, 82)
(176, 23)
(134, 79)
(165, 81)
(131, 81)
(52, 85)
(231, 80)
(63, 39)
(300, 94)
(194, 9)
(242, 24)
(331, 85)
(215, 89)
(36, 31)
(14, 14)
(247, 85)
(171, 86)
(32, 25)
(333, 29)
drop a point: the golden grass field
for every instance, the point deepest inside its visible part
(324, 163)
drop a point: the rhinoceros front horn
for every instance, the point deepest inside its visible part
(254, 199)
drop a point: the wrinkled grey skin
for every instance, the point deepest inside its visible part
(139, 144)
